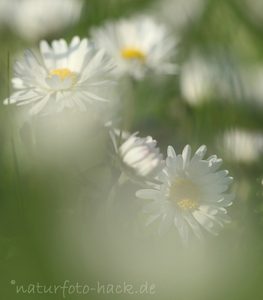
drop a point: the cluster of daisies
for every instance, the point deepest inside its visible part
(74, 75)
(186, 191)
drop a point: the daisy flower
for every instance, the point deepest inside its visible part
(192, 194)
(242, 145)
(137, 45)
(35, 19)
(196, 81)
(204, 78)
(139, 158)
(62, 76)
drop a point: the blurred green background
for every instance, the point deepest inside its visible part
(52, 221)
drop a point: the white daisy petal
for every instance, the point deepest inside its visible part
(194, 225)
(170, 152)
(186, 155)
(200, 152)
(207, 222)
(40, 105)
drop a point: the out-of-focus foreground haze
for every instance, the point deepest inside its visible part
(66, 213)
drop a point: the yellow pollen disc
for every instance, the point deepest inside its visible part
(185, 194)
(63, 73)
(187, 204)
(133, 53)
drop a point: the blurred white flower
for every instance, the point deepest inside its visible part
(241, 145)
(139, 158)
(178, 13)
(35, 19)
(192, 194)
(196, 81)
(205, 78)
(137, 45)
(62, 76)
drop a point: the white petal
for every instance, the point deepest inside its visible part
(170, 152)
(39, 106)
(200, 153)
(194, 225)
(186, 154)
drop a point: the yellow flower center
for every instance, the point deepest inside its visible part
(133, 53)
(187, 204)
(63, 73)
(185, 193)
